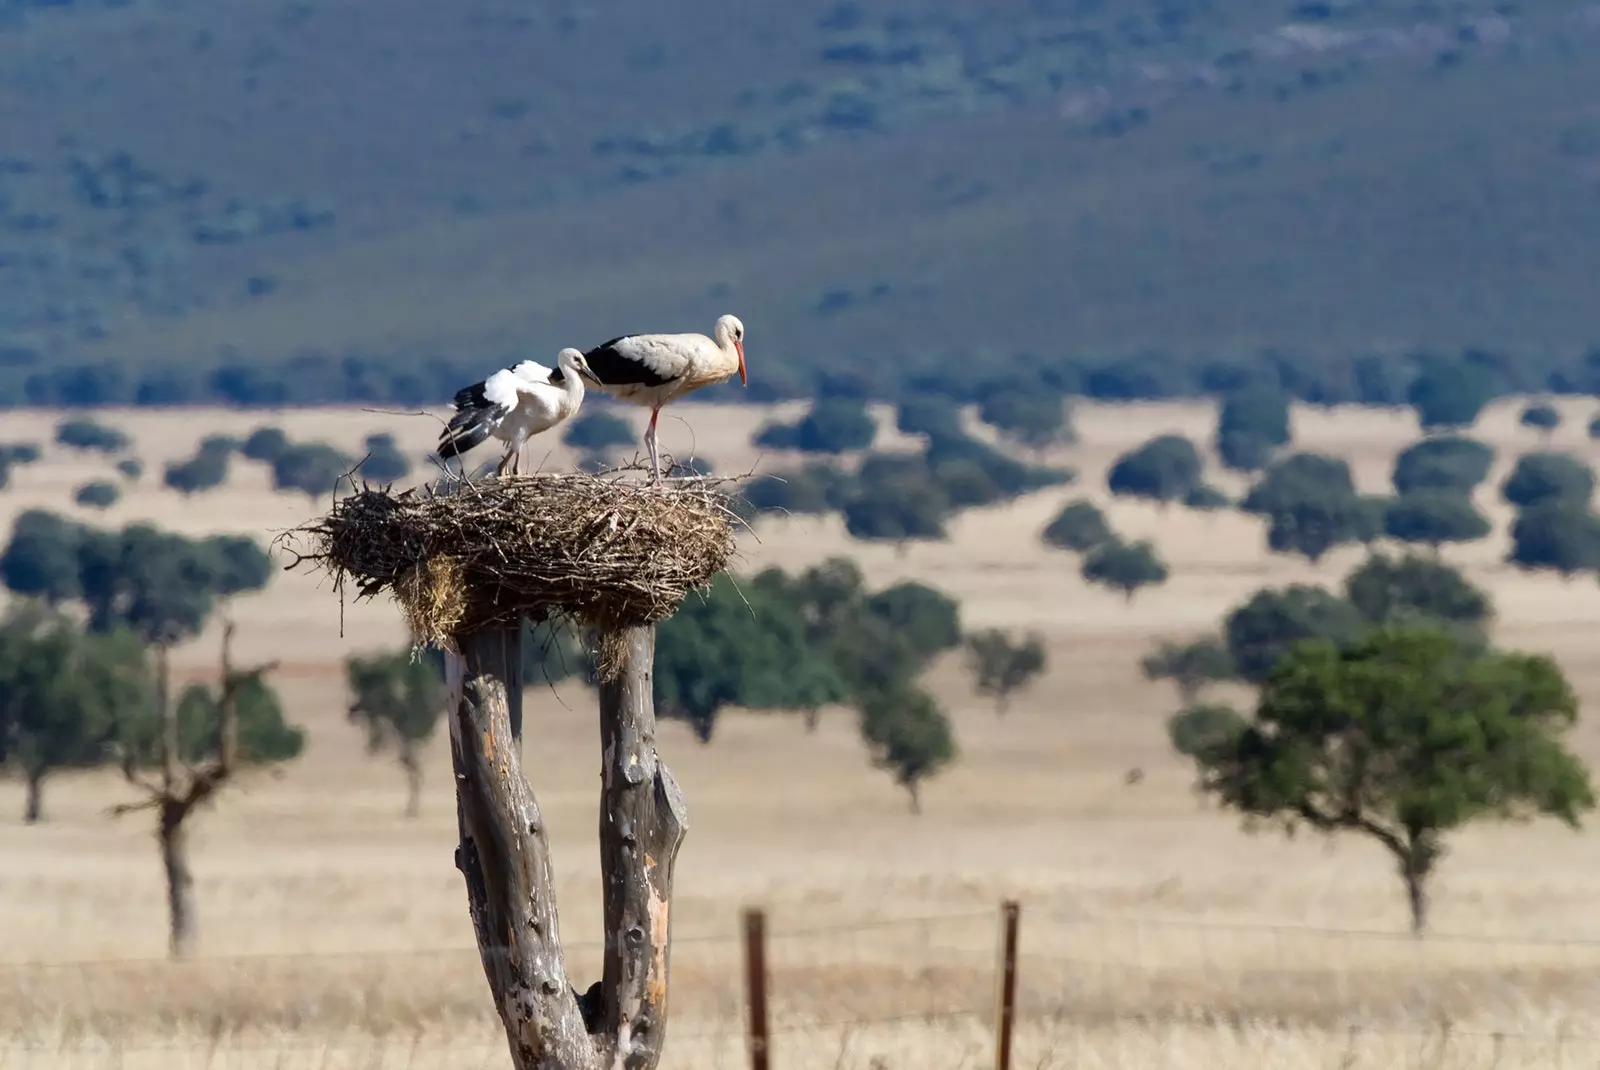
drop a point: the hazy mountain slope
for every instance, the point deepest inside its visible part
(867, 181)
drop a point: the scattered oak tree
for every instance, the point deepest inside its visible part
(930, 415)
(900, 510)
(1266, 625)
(1127, 567)
(1080, 526)
(264, 444)
(594, 430)
(382, 460)
(97, 494)
(399, 700)
(1190, 666)
(1251, 425)
(1419, 590)
(1034, 417)
(907, 734)
(1435, 517)
(1001, 666)
(1449, 394)
(1548, 477)
(1449, 462)
(1556, 535)
(1541, 417)
(1404, 737)
(83, 433)
(1165, 469)
(833, 425)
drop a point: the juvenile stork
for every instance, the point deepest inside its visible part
(653, 369)
(514, 404)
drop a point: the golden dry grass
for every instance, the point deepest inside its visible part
(335, 931)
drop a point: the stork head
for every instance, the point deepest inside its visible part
(731, 330)
(572, 362)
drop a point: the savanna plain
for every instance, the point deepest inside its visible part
(1155, 933)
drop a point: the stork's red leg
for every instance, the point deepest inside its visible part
(650, 443)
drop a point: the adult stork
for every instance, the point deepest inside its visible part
(514, 404)
(653, 369)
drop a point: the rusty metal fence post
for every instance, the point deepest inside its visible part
(755, 985)
(1006, 989)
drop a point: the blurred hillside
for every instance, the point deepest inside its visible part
(302, 200)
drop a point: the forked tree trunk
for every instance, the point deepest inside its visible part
(33, 805)
(504, 856)
(183, 927)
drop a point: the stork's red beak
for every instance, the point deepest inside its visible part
(743, 378)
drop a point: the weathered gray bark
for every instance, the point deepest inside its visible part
(504, 856)
(183, 931)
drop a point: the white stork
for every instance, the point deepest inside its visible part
(653, 369)
(514, 404)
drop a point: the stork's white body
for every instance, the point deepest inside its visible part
(654, 369)
(514, 404)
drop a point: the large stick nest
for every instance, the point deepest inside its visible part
(595, 549)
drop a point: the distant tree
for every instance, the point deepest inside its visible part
(812, 489)
(1556, 534)
(897, 510)
(1594, 427)
(833, 425)
(1190, 666)
(952, 459)
(383, 462)
(265, 735)
(930, 415)
(1200, 730)
(1125, 566)
(202, 472)
(1080, 527)
(1404, 737)
(1251, 424)
(747, 649)
(1001, 666)
(1035, 418)
(312, 468)
(927, 618)
(1449, 394)
(1164, 469)
(1449, 462)
(399, 700)
(598, 431)
(907, 734)
(65, 697)
(41, 558)
(1296, 479)
(83, 433)
(20, 453)
(1435, 517)
(1542, 477)
(265, 444)
(97, 495)
(1541, 417)
(1206, 499)
(130, 468)
(1315, 523)
(1263, 628)
(1417, 590)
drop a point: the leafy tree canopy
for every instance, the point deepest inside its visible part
(1002, 666)
(1541, 416)
(1314, 524)
(834, 424)
(1031, 417)
(312, 468)
(1080, 527)
(1449, 462)
(1298, 478)
(907, 734)
(83, 433)
(1416, 589)
(1544, 477)
(597, 430)
(265, 444)
(1125, 566)
(1206, 499)
(1190, 666)
(382, 460)
(399, 701)
(1404, 737)
(1435, 517)
(1260, 630)
(929, 414)
(1164, 469)
(1450, 393)
(812, 489)
(1559, 535)
(97, 494)
(1262, 412)
(899, 508)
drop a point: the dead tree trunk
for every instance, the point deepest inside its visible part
(504, 856)
(183, 931)
(33, 806)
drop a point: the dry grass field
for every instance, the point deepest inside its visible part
(1155, 932)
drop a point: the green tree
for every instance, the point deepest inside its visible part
(907, 734)
(930, 415)
(833, 425)
(1545, 477)
(1541, 417)
(312, 468)
(130, 468)
(1198, 730)
(598, 431)
(382, 460)
(1418, 590)
(83, 433)
(1435, 517)
(398, 700)
(1035, 418)
(1594, 427)
(747, 649)
(1298, 478)
(97, 494)
(812, 489)
(1001, 666)
(41, 557)
(897, 510)
(265, 735)
(265, 444)
(1125, 566)
(1080, 526)
(1164, 469)
(1251, 424)
(1261, 629)
(1449, 394)
(1448, 462)
(1190, 666)
(1560, 535)
(206, 470)
(66, 697)
(1404, 737)
(1206, 499)
(1314, 524)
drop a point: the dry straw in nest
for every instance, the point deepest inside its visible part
(596, 549)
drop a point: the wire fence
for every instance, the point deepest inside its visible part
(1041, 987)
